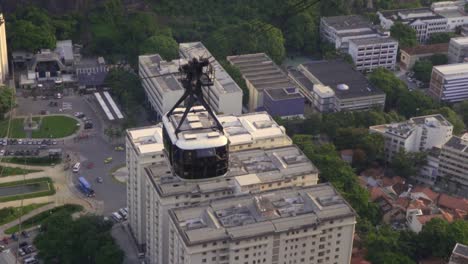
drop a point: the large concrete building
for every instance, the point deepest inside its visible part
(225, 96)
(449, 83)
(333, 86)
(454, 11)
(270, 89)
(163, 91)
(423, 20)
(417, 134)
(293, 225)
(371, 53)
(453, 165)
(3, 51)
(459, 254)
(458, 50)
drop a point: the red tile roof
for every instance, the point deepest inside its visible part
(428, 192)
(453, 203)
(427, 49)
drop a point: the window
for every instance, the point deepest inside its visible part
(203, 260)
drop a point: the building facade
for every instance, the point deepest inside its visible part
(371, 53)
(454, 11)
(409, 56)
(449, 83)
(417, 134)
(339, 30)
(270, 89)
(225, 96)
(3, 51)
(453, 166)
(334, 86)
(458, 50)
(293, 225)
(423, 20)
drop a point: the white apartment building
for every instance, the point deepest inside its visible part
(371, 53)
(311, 224)
(423, 20)
(3, 51)
(253, 130)
(453, 11)
(339, 30)
(164, 91)
(417, 134)
(225, 96)
(453, 166)
(251, 171)
(428, 173)
(458, 50)
(459, 254)
(144, 146)
(333, 86)
(449, 82)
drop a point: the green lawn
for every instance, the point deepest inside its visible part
(12, 171)
(51, 127)
(56, 127)
(41, 217)
(16, 128)
(41, 181)
(9, 214)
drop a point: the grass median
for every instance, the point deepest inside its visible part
(9, 214)
(12, 171)
(37, 161)
(41, 217)
(39, 183)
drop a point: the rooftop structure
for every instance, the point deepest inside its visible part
(351, 90)
(278, 213)
(262, 76)
(347, 22)
(410, 55)
(449, 82)
(416, 134)
(459, 254)
(90, 73)
(253, 130)
(458, 50)
(65, 49)
(225, 96)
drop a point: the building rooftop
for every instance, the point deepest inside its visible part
(406, 128)
(270, 165)
(154, 65)
(459, 254)
(427, 49)
(347, 22)
(90, 72)
(260, 214)
(410, 15)
(283, 94)
(248, 128)
(458, 143)
(345, 81)
(65, 49)
(451, 13)
(223, 81)
(453, 69)
(146, 139)
(261, 71)
(373, 40)
(460, 40)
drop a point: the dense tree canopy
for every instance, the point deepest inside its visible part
(84, 240)
(408, 164)
(6, 99)
(165, 46)
(441, 37)
(405, 35)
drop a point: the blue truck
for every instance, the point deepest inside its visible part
(85, 187)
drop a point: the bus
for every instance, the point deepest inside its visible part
(85, 187)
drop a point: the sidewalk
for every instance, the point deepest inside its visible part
(24, 217)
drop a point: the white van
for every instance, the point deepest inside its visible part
(76, 167)
(30, 260)
(116, 217)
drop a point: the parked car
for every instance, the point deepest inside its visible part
(116, 217)
(123, 213)
(99, 179)
(58, 96)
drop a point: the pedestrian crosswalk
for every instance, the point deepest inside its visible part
(67, 106)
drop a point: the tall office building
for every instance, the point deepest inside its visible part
(449, 83)
(3, 51)
(453, 163)
(293, 225)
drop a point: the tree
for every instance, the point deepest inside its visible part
(415, 103)
(462, 110)
(439, 59)
(440, 37)
(390, 84)
(6, 99)
(405, 35)
(24, 35)
(423, 70)
(165, 46)
(407, 164)
(302, 34)
(84, 240)
(236, 75)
